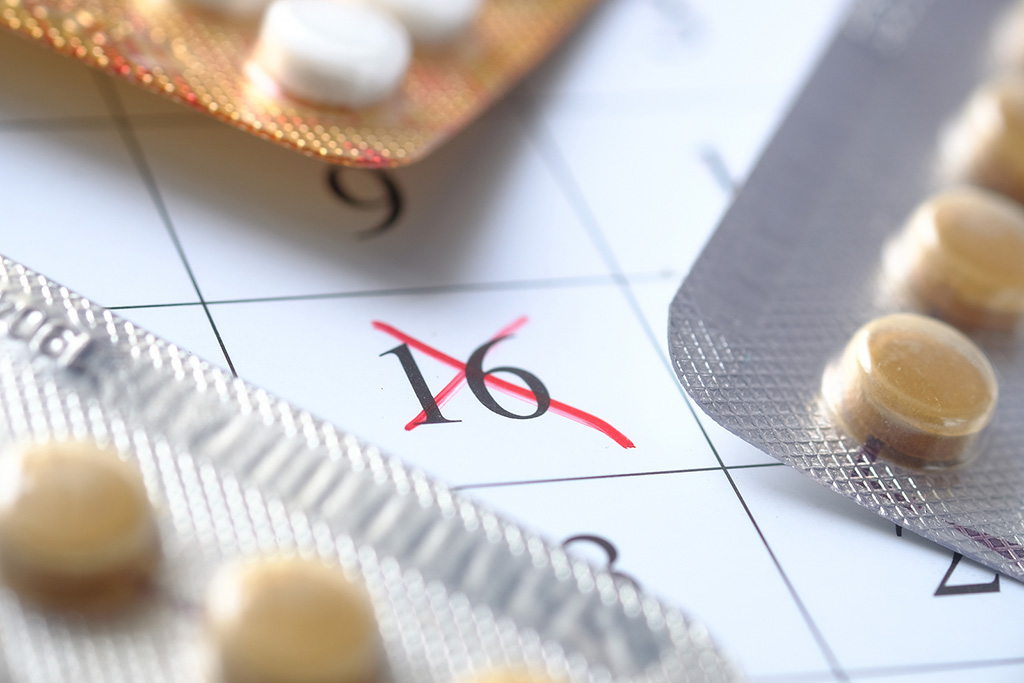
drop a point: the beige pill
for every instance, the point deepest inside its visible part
(985, 144)
(76, 526)
(913, 389)
(1008, 38)
(511, 676)
(961, 254)
(288, 620)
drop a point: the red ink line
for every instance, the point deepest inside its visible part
(556, 407)
(453, 386)
(442, 397)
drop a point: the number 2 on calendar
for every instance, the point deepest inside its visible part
(947, 588)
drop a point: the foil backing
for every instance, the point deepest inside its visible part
(796, 267)
(234, 471)
(200, 59)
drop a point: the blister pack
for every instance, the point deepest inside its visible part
(204, 59)
(233, 472)
(810, 325)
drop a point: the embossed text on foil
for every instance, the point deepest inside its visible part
(44, 331)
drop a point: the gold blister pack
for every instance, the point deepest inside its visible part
(200, 60)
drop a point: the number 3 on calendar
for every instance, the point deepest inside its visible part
(609, 550)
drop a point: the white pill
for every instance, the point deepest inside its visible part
(333, 53)
(432, 22)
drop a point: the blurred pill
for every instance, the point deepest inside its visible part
(984, 145)
(961, 255)
(289, 620)
(76, 526)
(433, 22)
(511, 676)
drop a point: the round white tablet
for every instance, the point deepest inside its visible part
(431, 22)
(334, 53)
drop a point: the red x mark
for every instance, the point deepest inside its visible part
(504, 386)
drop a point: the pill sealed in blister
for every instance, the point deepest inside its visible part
(265, 544)
(214, 57)
(857, 312)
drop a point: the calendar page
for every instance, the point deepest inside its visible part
(534, 255)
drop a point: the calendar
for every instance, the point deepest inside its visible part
(496, 315)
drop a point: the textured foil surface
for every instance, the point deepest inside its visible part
(200, 60)
(234, 471)
(796, 267)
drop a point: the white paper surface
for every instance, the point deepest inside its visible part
(240, 252)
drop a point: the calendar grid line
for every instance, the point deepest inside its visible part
(124, 127)
(462, 288)
(95, 122)
(805, 677)
(622, 475)
(549, 150)
(172, 304)
(102, 121)
(154, 120)
(508, 285)
(914, 669)
(603, 173)
(833, 661)
(713, 161)
(580, 205)
(681, 14)
(639, 102)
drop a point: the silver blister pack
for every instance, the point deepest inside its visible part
(796, 266)
(233, 471)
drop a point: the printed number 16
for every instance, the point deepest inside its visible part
(476, 378)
